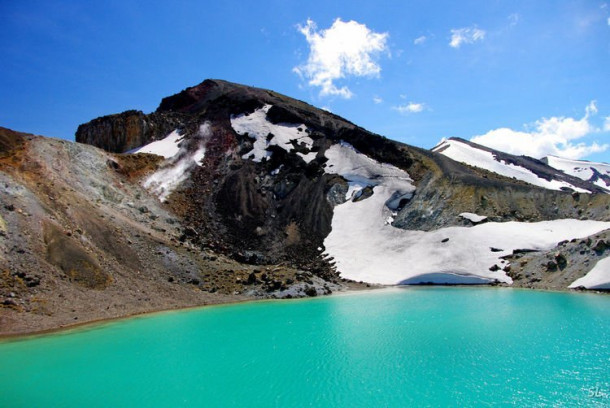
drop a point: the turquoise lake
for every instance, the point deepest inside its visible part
(400, 347)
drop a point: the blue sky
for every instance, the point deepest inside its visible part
(531, 77)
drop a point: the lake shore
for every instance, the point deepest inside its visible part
(15, 324)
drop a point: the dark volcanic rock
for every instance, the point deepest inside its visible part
(128, 130)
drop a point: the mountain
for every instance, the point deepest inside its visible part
(283, 171)
(228, 192)
(549, 173)
(596, 173)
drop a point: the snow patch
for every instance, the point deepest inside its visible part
(268, 134)
(474, 218)
(167, 147)
(177, 168)
(597, 278)
(464, 153)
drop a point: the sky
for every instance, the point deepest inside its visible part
(526, 77)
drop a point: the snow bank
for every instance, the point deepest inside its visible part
(366, 248)
(178, 167)
(474, 218)
(167, 147)
(483, 159)
(582, 169)
(597, 278)
(259, 128)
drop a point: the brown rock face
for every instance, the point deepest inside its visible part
(10, 140)
(128, 130)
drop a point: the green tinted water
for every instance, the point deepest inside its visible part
(402, 347)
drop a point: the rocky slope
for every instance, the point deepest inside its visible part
(249, 194)
(81, 240)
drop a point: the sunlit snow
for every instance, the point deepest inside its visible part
(178, 167)
(267, 134)
(367, 248)
(581, 169)
(464, 153)
(167, 147)
(474, 218)
(362, 171)
(597, 278)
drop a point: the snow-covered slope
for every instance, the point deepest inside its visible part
(365, 246)
(596, 173)
(597, 278)
(179, 162)
(390, 184)
(478, 156)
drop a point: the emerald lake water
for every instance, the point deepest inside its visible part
(388, 348)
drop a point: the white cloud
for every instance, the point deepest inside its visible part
(555, 136)
(466, 35)
(345, 49)
(591, 109)
(377, 99)
(411, 107)
(420, 40)
(607, 124)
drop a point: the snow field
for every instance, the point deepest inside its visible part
(464, 153)
(366, 248)
(581, 169)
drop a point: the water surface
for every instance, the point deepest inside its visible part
(401, 347)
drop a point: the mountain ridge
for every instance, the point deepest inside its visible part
(539, 168)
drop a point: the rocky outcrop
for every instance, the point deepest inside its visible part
(438, 201)
(128, 130)
(10, 141)
(557, 268)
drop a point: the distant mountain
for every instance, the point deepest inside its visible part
(535, 172)
(229, 192)
(596, 173)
